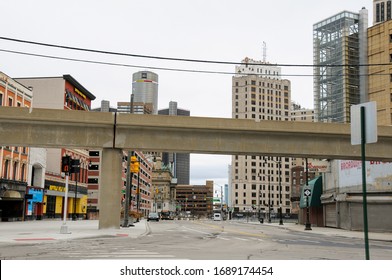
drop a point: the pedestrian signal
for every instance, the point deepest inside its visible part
(75, 166)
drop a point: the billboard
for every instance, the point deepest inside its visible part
(350, 173)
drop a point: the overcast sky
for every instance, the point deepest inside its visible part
(226, 30)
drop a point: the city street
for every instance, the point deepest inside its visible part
(203, 239)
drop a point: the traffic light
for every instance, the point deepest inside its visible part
(75, 166)
(134, 164)
(66, 164)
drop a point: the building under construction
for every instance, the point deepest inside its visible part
(340, 58)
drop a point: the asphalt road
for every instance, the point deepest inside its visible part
(204, 239)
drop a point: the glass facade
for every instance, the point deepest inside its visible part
(336, 50)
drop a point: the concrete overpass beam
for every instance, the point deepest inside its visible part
(110, 189)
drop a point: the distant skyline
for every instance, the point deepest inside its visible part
(204, 30)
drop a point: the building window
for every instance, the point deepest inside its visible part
(10, 101)
(94, 153)
(378, 13)
(14, 177)
(22, 175)
(1, 99)
(92, 180)
(6, 166)
(382, 18)
(94, 167)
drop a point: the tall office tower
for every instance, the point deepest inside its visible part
(180, 161)
(339, 47)
(260, 183)
(382, 11)
(380, 77)
(145, 93)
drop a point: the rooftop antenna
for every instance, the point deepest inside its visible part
(264, 52)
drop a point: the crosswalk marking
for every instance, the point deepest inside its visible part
(120, 254)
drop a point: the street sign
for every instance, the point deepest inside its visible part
(370, 120)
(307, 192)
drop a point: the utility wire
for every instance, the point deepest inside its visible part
(176, 69)
(184, 59)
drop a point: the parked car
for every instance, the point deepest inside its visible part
(153, 217)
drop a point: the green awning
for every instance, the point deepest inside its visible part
(315, 188)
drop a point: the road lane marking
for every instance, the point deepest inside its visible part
(242, 239)
(230, 230)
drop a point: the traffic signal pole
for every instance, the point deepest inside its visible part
(64, 227)
(127, 192)
(66, 168)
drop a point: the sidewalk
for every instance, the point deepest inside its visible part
(47, 230)
(381, 236)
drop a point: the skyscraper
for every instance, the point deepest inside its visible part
(145, 92)
(339, 47)
(180, 161)
(260, 183)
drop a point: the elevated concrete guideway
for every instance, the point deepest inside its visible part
(114, 132)
(96, 130)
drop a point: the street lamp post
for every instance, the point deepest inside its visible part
(269, 193)
(280, 193)
(307, 224)
(269, 198)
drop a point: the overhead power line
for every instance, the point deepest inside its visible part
(167, 68)
(182, 59)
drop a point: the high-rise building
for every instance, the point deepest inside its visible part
(380, 58)
(143, 100)
(179, 161)
(145, 93)
(339, 47)
(260, 183)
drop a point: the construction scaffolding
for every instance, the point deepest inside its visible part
(336, 56)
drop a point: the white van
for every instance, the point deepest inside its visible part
(217, 217)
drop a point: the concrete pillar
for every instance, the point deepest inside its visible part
(110, 189)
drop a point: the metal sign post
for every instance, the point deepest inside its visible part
(307, 193)
(362, 132)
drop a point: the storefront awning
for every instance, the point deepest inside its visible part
(315, 188)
